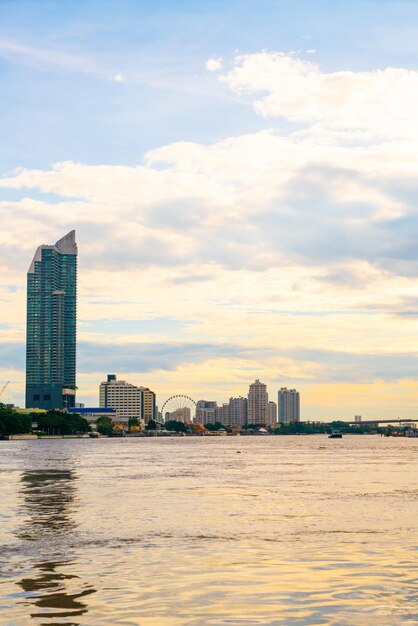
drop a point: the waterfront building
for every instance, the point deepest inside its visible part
(222, 414)
(183, 414)
(272, 413)
(288, 405)
(51, 326)
(148, 405)
(258, 403)
(124, 397)
(206, 412)
(238, 411)
(92, 414)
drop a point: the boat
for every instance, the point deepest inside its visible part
(335, 435)
(94, 434)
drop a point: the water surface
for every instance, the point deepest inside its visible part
(198, 531)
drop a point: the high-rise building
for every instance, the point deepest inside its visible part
(183, 414)
(272, 413)
(206, 412)
(238, 411)
(51, 326)
(258, 403)
(288, 405)
(122, 396)
(148, 405)
(222, 414)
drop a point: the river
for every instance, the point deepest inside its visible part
(223, 531)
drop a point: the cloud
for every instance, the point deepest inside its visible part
(378, 103)
(119, 78)
(250, 245)
(214, 64)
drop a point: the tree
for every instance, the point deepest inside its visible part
(178, 427)
(60, 423)
(104, 425)
(133, 421)
(14, 423)
(152, 425)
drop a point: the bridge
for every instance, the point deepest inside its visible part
(372, 422)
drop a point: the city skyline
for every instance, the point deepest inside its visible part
(242, 190)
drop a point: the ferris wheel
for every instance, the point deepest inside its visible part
(179, 407)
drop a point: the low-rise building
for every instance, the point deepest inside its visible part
(92, 414)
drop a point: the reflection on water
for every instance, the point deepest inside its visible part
(292, 531)
(49, 506)
(55, 593)
(48, 497)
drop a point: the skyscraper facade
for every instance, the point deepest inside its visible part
(51, 326)
(258, 403)
(288, 405)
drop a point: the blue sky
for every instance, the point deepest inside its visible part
(68, 107)
(242, 180)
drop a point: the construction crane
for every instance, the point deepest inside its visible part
(3, 389)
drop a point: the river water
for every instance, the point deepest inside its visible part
(228, 530)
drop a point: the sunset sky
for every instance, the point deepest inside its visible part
(242, 178)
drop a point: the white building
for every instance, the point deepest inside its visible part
(122, 396)
(288, 405)
(238, 411)
(258, 403)
(93, 414)
(272, 413)
(148, 406)
(206, 412)
(222, 414)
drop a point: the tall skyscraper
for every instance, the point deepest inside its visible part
(288, 405)
(258, 403)
(51, 326)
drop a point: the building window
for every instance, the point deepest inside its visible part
(36, 396)
(47, 396)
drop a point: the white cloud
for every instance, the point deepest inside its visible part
(214, 64)
(377, 103)
(119, 78)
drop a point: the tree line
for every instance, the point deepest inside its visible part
(49, 423)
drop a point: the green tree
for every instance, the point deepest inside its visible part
(60, 423)
(178, 427)
(14, 423)
(152, 425)
(104, 425)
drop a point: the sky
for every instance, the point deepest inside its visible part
(242, 178)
